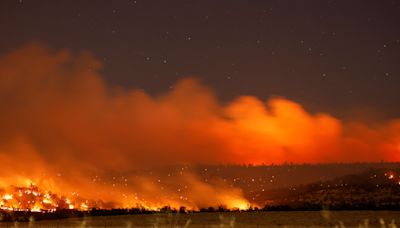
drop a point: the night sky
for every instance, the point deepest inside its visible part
(341, 57)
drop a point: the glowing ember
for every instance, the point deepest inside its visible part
(390, 175)
(7, 197)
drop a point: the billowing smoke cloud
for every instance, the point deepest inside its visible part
(58, 116)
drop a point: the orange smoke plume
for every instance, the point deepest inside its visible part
(60, 122)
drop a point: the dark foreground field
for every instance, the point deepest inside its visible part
(230, 219)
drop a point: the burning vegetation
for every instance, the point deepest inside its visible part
(178, 190)
(377, 188)
(34, 199)
(84, 140)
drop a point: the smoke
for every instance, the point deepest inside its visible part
(58, 116)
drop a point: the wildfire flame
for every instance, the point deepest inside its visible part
(32, 198)
(59, 116)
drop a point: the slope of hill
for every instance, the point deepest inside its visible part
(375, 189)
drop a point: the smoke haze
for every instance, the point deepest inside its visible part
(58, 116)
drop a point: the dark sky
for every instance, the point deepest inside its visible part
(334, 56)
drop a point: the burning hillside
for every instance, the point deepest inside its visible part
(65, 128)
(34, 199)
